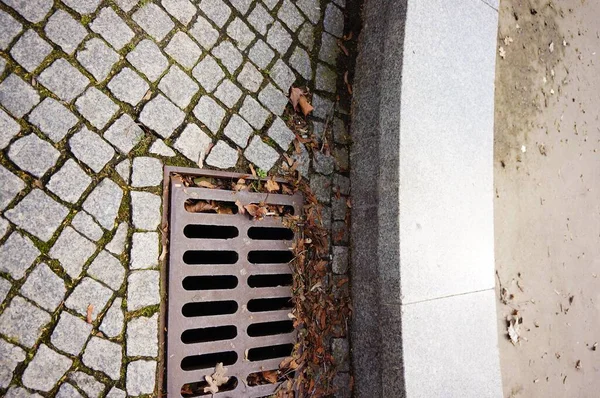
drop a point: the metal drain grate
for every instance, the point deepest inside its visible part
(229, 290)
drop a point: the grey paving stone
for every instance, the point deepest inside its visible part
(289, 15)
(103, 356)
(321, 186)
(114, 319)
(250, 78)
(193, 143)
(322, 163)
(104, 202)
(17, 254)
(63, 80)
(10, 187)
(18, 392)
(141, 377)
(126, 5)
(91, 149)
(160, 148)
(222, 156)
(240, 33)
(208, 73)
(300, 60)
(65, 31)
(216, 10)
(204, 33)
(85, 224)
(97, 58)
(124, 170)
(146, 172)
(145, 211)
(106, 268)
(142, 337)
(260, 19)
(329, 49)
(281, 134)
(38, 214)
(279, 38)
(23, 321)
(270, 3)
(306, 36)
(178, 86)
(11, 356)
(9, 29)
(128, 86)
(210, 113)
(228, 93)
(53, 119)
(162, 116)
(311, 9)
(30, 50)
(261, 54)
(4, 289)
(254, 113)
(148, 59)
(72, 251)
(4, 226)
(70, 333)
(96, 107)
(340, 208)
(116, 393)
(44, 287)
(92, 387)
(143, 289)
(325, 79)
(46, 369)
(66, 390)
(340, 349)
(333, 22)
(230, 57)
(124, 134)
(154, 21)
(83, 6)
(340, 260)
(32, 10)
(273, 99)
(182, 10)
(117, 244)
(89, 292)
(341, 385)
(261, 154)
(183, 50)
(282, 75)
(238, 131)
(241, 5)
(8, 129)
(17, 96)
(33, 154)
(112, 28)
(323, 107)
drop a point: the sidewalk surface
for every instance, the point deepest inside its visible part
(95, 97)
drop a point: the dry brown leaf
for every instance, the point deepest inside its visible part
(348, 36)
(271, 185)
(252, 209)
(224, 210)
(305, 106)
(348, 85)
(270, 376)
(295, 95)
(252, 170)
(513, 329)
(240, 185)
(343, 48)
(240, 207)
(147, 95)
(200, 206)
(216, 379)
(204, 183)
(90, 309)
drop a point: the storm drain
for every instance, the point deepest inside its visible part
(229, 290)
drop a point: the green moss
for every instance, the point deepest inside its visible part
(86, 19)
(145, 312)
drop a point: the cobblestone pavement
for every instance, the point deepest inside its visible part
(95, 97)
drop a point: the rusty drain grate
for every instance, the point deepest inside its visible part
(229, 290)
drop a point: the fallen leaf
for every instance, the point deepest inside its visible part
(271, 185)
(270, 376)
(200, 206)
(348, 85)
(343, 48)
(305, 106)
(217, 379)
(147, 95)
(90, 309)
(578, 364)
(513, 330)
(508, 40)
(252, 170)
(295, 94)
(551, 47)
(240, 207)
(204, 183)
(501, 52)
(348, 36)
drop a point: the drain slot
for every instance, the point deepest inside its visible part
(200, 257)
(270, 328)
(270, 256)
(210, 308)
(265, 233)
(270, 280)
(208, 361)
(198, 231)
(269, 304)
(219, 282)
(203, 335)
(270, 352)
(197, 389)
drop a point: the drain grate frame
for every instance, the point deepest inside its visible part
(184, 346)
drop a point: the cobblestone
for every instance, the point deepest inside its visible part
(183, 50)
(72, 250)
(341, 354)
(10, 187)
(148, 59)
(229, 55)
(323, 107)
(126, 5)
(238, 131)
(270, 3)
(241, 5)
(303, 159)
(17, 254)
(325, 79)
(322, 163)
(216, 10)
(107, 269)
(279, 38)
(210, 113)
(281, 134)
(222, 156)
(311, 9)
(9, 29)
(282, 75)
(116, 393)
(254, 113)
(160, 148)
(89, 292)
(23, 321)
(289, 14)
(18, 392)
(250, 78)
(38, 214)
(142, 337)
(300, 60)
(341, 385)
(204, 33)
(112, 28)
(104, 202)
(261, 54)
(112, 324)
(342, 159)
(85, 224)
(261, 154)
(11, 356)
(178, 86)
(91, 149)
(44, 288)
(30, 50)
(141, 377)
(307, 36)
(260, 19)
(53, 119)
(162, 116)
(104, 356)
(17, 96)
(333, 22)
(4, 289)
(193, 143)
(124, 134)
(64, 80)
(146, 172)
(145, 209)
(70, 333)
(340, 260)
(329, 49)
(117, 244)
(154, 21)
(321, 187)
(65, 31)
(128, 86)
(182, 10)
(96, 107)
(208, 73)
(92, 387)
(273, 99)
(8, 129)
(33, 154)
(143, 289)
(66, 390)
(339, 207)
(46, 369)
(228, 93)
(240, 33)
(97, 58)
(83, 6)
(124, 170)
